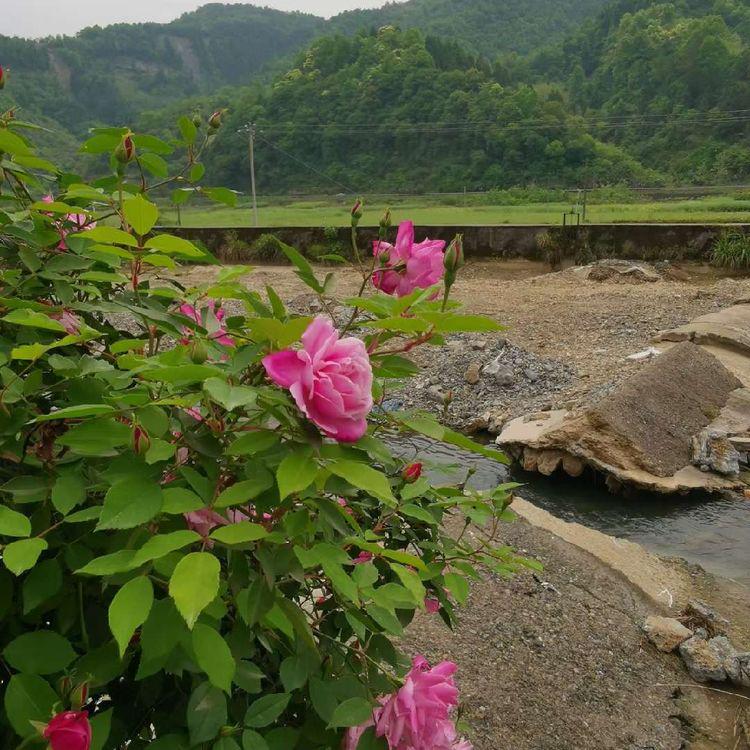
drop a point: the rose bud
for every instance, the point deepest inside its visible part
(125, 151)
(3, 77)
(79, 695)
(454, 255)
(357, 212)
(69, 730)
(198, 351)
(197, 119)
(214, 122)
(411, 473)
(141, 440)
(386, 220)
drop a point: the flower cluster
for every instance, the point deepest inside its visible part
(417, 715)
(219, 335)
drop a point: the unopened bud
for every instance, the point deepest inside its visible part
(125, 151)
(3, 77)
(411, 473)
(64, 686)
(197, 119)
(454, 255)
(79, 695)
(357, 212)
(386, 220)
(141, 440)
(198, 351)
(214, 122)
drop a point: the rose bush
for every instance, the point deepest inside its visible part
(207, 538)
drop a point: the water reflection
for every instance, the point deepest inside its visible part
(714, 533)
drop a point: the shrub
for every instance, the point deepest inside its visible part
(731, 250)
(206, 539)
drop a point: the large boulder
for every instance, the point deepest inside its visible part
(703, 662)
(666, 633)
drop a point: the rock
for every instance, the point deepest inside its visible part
(666, 633)
(548, 461)
(435, 393)
(473, 373)
(702, 662)
(698, 614)
(537, 416)
(728, 656)
(715, 450)
(496, 419)
(622, 271)
(573, 466)
(531, 375)
(479, 345)
(530, 459)
(478, 424)
(743, 670)
(498, 370)
(649, 353)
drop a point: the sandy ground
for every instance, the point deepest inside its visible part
(558, 662)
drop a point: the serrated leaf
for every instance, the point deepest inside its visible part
(206, 713)
(39, 652)
(230, 396)
(244, 491)
(130, 503)
(266, 710)
(28, 698)
(129, 610)
(351, 713)
(239, 533)
(141, 214)
(21, 556)
(365, 478)
(213, 656)
(194, 584)
(13, 523)
(295, 473)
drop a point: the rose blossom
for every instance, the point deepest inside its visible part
(69, 730)
(431, 605)
(416, 716)
(329, 378)
(407, 266)
(194, 313)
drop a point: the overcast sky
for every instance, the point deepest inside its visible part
(35, 18)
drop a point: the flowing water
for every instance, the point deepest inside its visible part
(712, 532)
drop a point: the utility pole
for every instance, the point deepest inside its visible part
(250, 130)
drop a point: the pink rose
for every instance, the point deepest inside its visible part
(195, 313)
(432, 605)
(70, 322)
(363, 557)
(407, 266)
(69, 731)
(417, 715)
(329, 378)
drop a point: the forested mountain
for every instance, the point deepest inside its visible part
(489, 27)
(395, 111)
(668, 81)
(107, 75)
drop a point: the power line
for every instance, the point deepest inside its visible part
(304, 163)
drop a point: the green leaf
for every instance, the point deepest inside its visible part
(68, 491)
(255, 602)
(28, 698)
(129, 610)
(351, 713)
(213, 656)
(130, 503)
(230, 396)
(188, 130)
(386, 619)
(295, 473)
(13, 523)
(178, 500)
(41, 584)
(181, 374)
(206, 713)
(458, 586)
(266, 710)
(194, 584)
(253, 442)
(365, 478)
(96, 437)
(304, 269)
(239, 533)
(108, 236)
(10, 143)
(75, 412)
(196, 172)
(107, 565)
(253, 741)
(421, 514)
(171, 245)
(101, 725)
(248, 489)
(154, 164)
(163, 544)
(27, 489)
(31, 319)
(140, 214)
(21, 556)
(293, 672)
(221, 195)
(39, 652)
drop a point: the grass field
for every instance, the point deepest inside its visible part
(424, 211)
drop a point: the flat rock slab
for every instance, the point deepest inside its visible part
(729, 328)
(641, 433)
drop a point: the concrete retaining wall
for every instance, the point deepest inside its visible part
(632, 241)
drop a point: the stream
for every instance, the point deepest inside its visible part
(713, 532)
